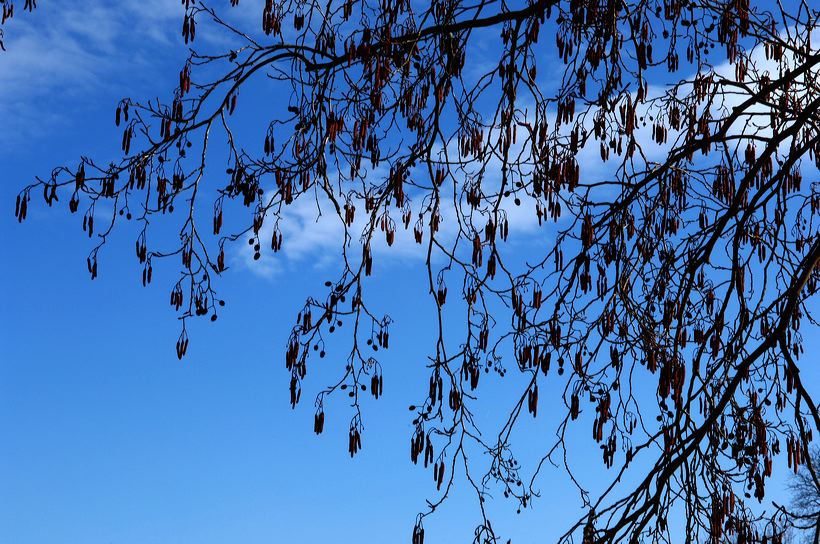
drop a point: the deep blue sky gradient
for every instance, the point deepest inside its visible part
(105, 437)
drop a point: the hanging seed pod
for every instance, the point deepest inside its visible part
(217, 218)
(368, 260)
(126, 139)
(73, 203)
(454, 400)
(441, 294)
(477, 253)
(295, 391)
(354, 441)
(536, 297)
(147, 273)
(545, 362)
(92, 265)
(418, 533)
(532, 400)
(574, 408)
(21, 207)
(374, 385)
(182, 344)
(319, 421)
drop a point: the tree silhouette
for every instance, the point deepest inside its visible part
(806, 499)
(661, 145)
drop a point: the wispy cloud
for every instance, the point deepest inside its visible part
(313, 234)
(66, 52)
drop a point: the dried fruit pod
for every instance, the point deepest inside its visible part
(319, 421)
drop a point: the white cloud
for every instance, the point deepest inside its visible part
(63, 54)
(313, 233)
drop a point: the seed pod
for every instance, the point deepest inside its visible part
(574, 406)
(418, 533)
(319, 421)
(374, 386)
(182, 344)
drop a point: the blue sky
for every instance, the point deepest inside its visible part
(108, 438)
